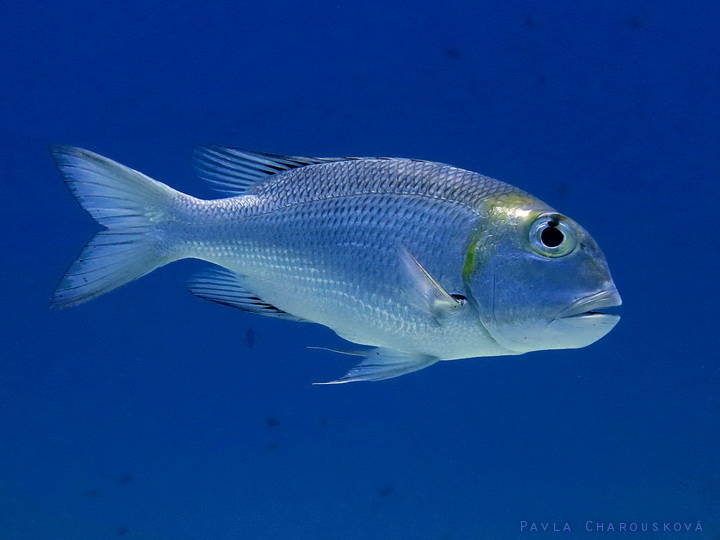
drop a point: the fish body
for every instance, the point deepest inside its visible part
(421, 261)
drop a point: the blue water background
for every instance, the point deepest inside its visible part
(146, 414)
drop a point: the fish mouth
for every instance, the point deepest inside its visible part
(588, 307)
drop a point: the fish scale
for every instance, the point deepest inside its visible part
(339, 264)
(378, 176)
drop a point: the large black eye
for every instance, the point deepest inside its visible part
(552, 236)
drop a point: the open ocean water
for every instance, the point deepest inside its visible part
(149, 414)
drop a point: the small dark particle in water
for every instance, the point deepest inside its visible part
(635, 22)
(123, 530)
(91, 495)
(453, 53)
(272, 422)
(250, 338)
(529, 21)
(125, 479)
(272, 446)
(386, 491)
(323, 422)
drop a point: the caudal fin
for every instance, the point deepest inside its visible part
(130, 205)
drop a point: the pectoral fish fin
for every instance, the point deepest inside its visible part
(381, 363)
(237, 171)
(227, 288)
(425, 293)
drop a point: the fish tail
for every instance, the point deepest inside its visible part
(131, 207)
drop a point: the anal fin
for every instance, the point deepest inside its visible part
(227, 288)
(381, 363)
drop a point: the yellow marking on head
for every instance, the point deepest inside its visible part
(515, 205)
(499, 211)
(480, 247)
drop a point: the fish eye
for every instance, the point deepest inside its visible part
(552, 236)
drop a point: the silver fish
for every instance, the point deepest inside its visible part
(419, 260)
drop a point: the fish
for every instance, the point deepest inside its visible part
(416, 261)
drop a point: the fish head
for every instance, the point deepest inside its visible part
(538, 279)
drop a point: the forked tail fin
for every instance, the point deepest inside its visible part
(130, 205)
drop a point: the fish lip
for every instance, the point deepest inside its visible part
(587, 306)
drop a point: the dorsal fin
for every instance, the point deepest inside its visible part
(226, 287)
(237, 171)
